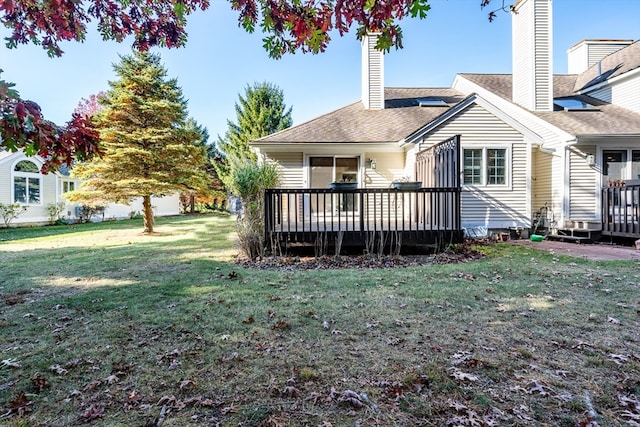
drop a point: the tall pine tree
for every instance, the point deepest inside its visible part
(259, 113)
(148, 148)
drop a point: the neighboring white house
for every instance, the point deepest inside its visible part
(529, 139)
(21, 182)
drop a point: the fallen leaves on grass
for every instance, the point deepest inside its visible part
(95, 411)
(619, 359)
(39, 383)
(58, 369)
(19, 405)
(11, 363)
(463, 376)
(465, 416)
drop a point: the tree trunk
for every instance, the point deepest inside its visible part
(148, 214)
(192, 200)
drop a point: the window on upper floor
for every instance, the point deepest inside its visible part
(27, 182)
(485, 166)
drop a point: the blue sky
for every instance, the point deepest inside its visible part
(220, 59)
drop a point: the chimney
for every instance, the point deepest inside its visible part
(586, 53)
(532, 54)
(372, 73)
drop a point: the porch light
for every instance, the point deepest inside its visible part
(590, 159)
(372, 163)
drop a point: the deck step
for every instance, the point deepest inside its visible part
(576, 234)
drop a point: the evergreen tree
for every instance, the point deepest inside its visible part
(149, 150)
(259, 113)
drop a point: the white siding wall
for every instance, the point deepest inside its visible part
(532, 55)
(491, 206)
(372, 74)
(624, 93)
(589, 52)
(292, 172)
(5, 182)
(583, 204)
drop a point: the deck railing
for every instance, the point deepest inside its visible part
(620, 211)
(423, 216)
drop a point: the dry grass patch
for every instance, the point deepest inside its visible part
(517, 338)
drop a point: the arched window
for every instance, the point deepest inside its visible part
(26, 183)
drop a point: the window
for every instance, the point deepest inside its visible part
(68, 186)
(484, 166)
(26, 183)
(473, 167)
(616, 164)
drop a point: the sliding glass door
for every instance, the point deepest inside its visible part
(323, 170)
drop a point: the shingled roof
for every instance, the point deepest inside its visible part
(354, 124)
(606, 119)
(403, 115)
(613, 65)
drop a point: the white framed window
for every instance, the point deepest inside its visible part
(27, 183)
(620, 164)
(486, 166)
(68, 186)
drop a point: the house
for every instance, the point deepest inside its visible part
(535, 149)
(22, 183)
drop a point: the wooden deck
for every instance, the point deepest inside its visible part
(363, 218)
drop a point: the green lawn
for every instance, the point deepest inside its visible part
(101, 324)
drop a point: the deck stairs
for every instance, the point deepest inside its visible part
(576, 231)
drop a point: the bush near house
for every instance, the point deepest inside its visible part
(9, 212)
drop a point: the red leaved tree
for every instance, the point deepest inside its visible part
(22, 127)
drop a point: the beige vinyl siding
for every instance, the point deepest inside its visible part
(389, 166)
(625, 93)
(548, 185)
(541, 182)
(292, 172)
(490, 206)
(583, 203)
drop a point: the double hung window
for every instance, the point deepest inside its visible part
(485, 166)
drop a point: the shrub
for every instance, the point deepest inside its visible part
(249, 179)
(11, 212)
(86, 212)
(54, 210)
